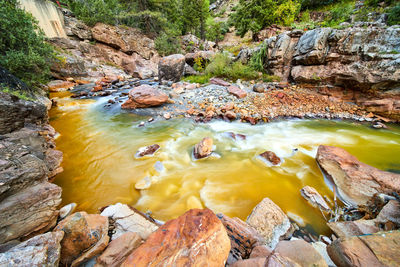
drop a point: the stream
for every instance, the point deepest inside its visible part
(100, 169)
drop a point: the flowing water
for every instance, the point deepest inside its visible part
(100, 168)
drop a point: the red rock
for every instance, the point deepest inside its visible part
(203, 149)
(236, 91)
(147, 151)
(218, 81)
(230, 115)
(260, 251)
(314, 198)
(97, 88)
(254, 262)
(119, 249)
(144, 96)
(351, 228)
(301, 252)
(59, 85)
(85, 237)
(355, 182)
(271, 157)
(196, 238)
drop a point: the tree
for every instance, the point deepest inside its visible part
(255, 15)
(194, 16)
(23, 50)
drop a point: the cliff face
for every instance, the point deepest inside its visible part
(364, 59)
(28, 160)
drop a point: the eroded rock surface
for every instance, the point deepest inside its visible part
(171, 68)
(145, 96)
(203, 149)
(355, 182)
(197, 238)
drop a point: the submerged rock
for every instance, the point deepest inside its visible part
(270, 221)
(314, 198)
(355, 182)
(196, 238)
(144, 96)
(270, 157)
(91, 232)
(41, 250)
(147, 151)
(128, 219)
(203, 149)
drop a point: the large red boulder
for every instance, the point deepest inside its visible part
(197, 238)
(145, 96)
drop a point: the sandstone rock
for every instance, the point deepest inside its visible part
(147, 151)
(254, 262)
(129, 40)
(236, 91)
(389, 213)
(259, 88)
(270, 221)
(67, 210)
(351, 228)
(41, 250)
(145, 96)
(220, 82)
(30, 211)
(118, 250)
(355, 181)
(270, 157)
(203, 149)
(128, 219)
(171, 68)
(380, 249)
(92, 232)
(71, 66)
(59, 85)
(321, 248)
(314, 198)
(243, 237)
(300, 252)
(196, 238)
(276, 260)
(230, 115)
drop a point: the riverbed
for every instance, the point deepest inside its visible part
(100, 169)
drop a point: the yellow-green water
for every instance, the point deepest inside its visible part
(100, 168)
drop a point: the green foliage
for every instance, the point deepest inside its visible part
(199, 64)
(260, 58)
(338, 13)
(255, 15)
(312, 4)
(270, 78)
(20, 94)
(202, 79)
(394, 15)
(223, 66)
(215, 30)
(167, 44)
(93, 11)
(23, 50)
(194, 16)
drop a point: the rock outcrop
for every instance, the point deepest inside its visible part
(145, 96)
(270, 221)
(91, 232)
(355, 182)
(197, 238)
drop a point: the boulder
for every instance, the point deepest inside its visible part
(254, 262)
(270, 157)
(203, 149)
(118, 250)
(41, 250)
(236, 91)
(390, 213)
(355, 182)
(276, 260)
(128, 40)
(171, 68)
(260, 252)
(314, 198)
(351, 228)
(219, 81)
(301, 252)
(270, 221)
(243, 237)
(128, 219)
(380, 249)
(197, 238)
(30, 211)
(86, 235)
(145, 96)
(147, 151)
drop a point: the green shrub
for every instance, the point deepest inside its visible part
(338, 13)
(23, 50)
(260, 58)
(270, 78)
(167, 44)
(394, 15)
(223, 66)
(202, 79)
(93, 11)
(286, 13)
